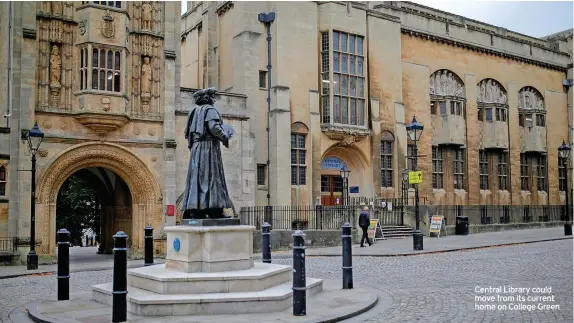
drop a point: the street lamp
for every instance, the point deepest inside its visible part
(564, 153)
(345, 176)
(34, 138)
(414, 130)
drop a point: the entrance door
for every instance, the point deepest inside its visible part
(331, 190)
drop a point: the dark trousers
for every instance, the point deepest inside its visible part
(365, 236)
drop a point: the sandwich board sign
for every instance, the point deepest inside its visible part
(436, 225)
(372, 230)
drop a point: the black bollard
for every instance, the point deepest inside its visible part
(266, 242)
(148, 237)
(86, 242)
(346, 238)
(63, 264)
(120, 281)
(299, 281)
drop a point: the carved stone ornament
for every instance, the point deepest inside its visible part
(348, 140)
(490, 91)
(55, 74)
(530, 99)
(43, 152)
(47, 124)
(153, 159)
(64, 124)
(151, 132)
(106, 104)
(146, 16)
(136, 130)
(82, 27)
(146, 81)
(107, 25)
(444, 82)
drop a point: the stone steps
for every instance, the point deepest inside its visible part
(397, 232)
(146, 303)
(160, 280)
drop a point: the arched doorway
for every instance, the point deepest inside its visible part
(96, 200)
(117, 161)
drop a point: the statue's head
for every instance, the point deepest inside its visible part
(205, 96)
(146, 60)
(55, 50)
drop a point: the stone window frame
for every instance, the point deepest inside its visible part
(261, 174)
(3, 179)
(111, 4)
(386, 154)
(529, 117)
(333, 96)
(502, 171)
(458, 163)
(437, 167)
(489, 109)
(299, 135)
(325, 77)
(541, 173)
(90, 47)
(524, 173)
(448, 106)
(111, 71)
(84, 68)
(562, 171)
(483, 169)
(262, 79)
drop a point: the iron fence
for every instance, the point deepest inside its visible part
(322, 217)
(7, 245)
(499, 214)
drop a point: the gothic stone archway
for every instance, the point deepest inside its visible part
(146, 194)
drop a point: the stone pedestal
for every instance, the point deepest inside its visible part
(208, 270)
(193, 249)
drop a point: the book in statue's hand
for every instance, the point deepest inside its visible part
(228, 130)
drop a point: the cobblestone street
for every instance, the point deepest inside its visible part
(430, 288)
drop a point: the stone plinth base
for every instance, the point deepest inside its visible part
(194, 249)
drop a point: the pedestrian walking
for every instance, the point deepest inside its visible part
(364, 224)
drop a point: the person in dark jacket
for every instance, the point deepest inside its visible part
(364, 224)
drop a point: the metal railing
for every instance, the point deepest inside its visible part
(7, 245)
(322, 217)
(500, 214)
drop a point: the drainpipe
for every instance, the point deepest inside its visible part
(267, 19)
(567, 84)
(9, 66)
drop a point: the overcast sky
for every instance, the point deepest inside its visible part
(533, 18)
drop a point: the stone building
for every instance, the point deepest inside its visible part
(110, 85)
(347, 76)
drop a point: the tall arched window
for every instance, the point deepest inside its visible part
(2, 180)
(387, 141)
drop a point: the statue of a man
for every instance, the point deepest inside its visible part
(56, 66)
(146, 76)
(205, 193)
(146, 16)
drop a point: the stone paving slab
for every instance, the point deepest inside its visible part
(331, 305)
(404, 247)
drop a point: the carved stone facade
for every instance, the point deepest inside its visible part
(462, 79)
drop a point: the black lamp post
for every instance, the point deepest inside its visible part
(404, 194)
(414, 130)
(564, 153)
(345, 176)
(34, 138)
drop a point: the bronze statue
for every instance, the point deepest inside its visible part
(205, 193)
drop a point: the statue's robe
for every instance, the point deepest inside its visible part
(205, 188)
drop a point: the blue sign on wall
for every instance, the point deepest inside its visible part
(334, 163)
(354, 189)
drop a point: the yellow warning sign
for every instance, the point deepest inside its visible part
(415, 177)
